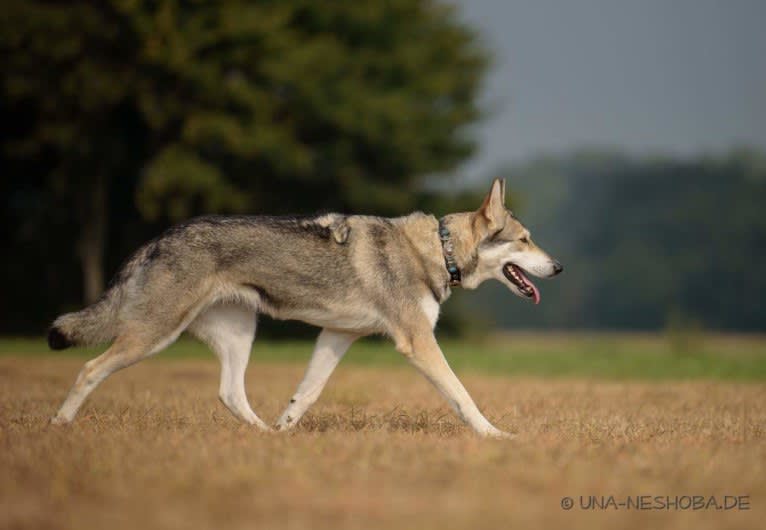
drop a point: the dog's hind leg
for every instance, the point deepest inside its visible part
(125, 351)
(329, 350)
(229, 330)
(138, 339)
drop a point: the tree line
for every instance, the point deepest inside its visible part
(647, 242)
(121, 118)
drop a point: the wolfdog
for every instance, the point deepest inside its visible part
(349, 275)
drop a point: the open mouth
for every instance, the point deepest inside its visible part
(517, 277)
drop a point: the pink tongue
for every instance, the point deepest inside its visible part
(535, 291)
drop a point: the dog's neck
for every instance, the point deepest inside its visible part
(464, 242)
(422, 230)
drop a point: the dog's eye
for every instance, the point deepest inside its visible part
(524, 240)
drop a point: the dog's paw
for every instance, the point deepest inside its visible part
(497, 434)
(259, 424)
(283, 426)
(59, 420)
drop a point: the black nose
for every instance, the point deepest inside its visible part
(557, 268)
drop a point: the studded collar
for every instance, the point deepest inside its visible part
(448, 249)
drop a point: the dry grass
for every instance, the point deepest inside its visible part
(154, 449)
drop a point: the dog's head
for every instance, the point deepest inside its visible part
(504, 250)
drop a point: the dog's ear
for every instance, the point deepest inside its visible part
(492, 211)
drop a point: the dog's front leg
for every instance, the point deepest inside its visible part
(422, 350)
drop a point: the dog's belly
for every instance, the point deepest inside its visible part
(347, 315)
(359, 320)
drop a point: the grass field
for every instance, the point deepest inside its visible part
(595, 415)
(612, 356)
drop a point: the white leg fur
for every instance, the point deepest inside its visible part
(329, 350)
(229, 331)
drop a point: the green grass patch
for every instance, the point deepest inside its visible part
(609, 356)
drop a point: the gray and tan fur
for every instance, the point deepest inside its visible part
(349, 275)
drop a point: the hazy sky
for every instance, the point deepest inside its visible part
(677, 76)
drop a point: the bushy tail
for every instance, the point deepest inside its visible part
(93, 325)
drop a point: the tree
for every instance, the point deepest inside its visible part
(235, 106)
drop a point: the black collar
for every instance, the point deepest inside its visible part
(448, 249)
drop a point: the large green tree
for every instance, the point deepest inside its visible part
(234, 106)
